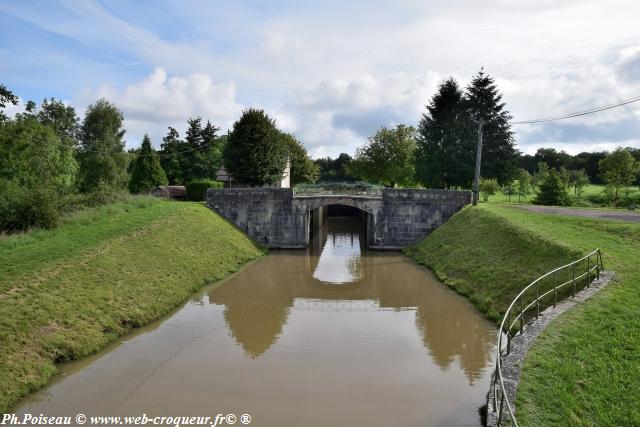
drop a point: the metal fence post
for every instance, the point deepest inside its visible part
(509, 333)
(537, 300)
(555, 290)
(601, 262)
(495, 385)
(522, 314)
(573, 280)
(588, 271)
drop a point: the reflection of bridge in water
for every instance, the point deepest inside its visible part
(307, 304)
(259, 302)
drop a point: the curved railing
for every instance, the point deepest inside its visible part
(526, 306)
(338, 189)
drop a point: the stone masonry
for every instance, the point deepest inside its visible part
(275, 218)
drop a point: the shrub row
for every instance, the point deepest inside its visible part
(196, 190)
(23, 208)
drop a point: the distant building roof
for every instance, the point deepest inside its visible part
(173, 191)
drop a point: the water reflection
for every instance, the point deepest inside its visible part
(340, 255)
(296, 339)
(259, 301)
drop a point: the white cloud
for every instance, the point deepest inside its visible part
(333, 72)
(337, 115)
(11, 110)
(158, 101)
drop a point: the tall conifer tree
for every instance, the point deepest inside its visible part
(146, 172)
(445, 148)
(484, 103)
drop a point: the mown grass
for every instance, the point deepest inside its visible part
(584, 368)
(486, 257)
(66, 293)
(593, 195)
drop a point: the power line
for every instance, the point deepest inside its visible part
(579, 113)
(158, 152)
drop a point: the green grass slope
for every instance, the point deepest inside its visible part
(66, 293)
(583, 370)
(484, 255)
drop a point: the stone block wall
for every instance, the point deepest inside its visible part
(266, 214)
(410, 215)
(274, 218)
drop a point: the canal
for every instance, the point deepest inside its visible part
(331, 335)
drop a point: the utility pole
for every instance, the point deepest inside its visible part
(476, 178)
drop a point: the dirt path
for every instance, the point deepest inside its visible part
(589, 213)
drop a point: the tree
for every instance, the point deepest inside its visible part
(508, 189)
(30, 107)
(210, 158)
(33, 156)
(6, 97)
(303, 169)
(146, 172)
(488, 187)
(445, 143)
(101, 151)
(618, 170)
(484, 105)
(202, 156)
(552, 190)
(541, 174)
(590, 162)
(553, 158)
(255, 153)
(337, 169)
(524, 183)
(62, 118)
(578, 179)
(171, 148)
(388, 158)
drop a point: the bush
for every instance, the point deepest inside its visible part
(488, 187)
(196, 190)
(22, 208)
(101, 196)
(552, 191)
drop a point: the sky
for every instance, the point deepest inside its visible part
(330, 72)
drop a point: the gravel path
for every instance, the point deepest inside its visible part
(589, 213)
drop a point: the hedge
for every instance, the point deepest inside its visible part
(196, 190)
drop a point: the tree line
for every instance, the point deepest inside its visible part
(441, 151)
(51, 161)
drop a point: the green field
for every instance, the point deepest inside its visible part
(584, 368)
(67, 292)
(586, 199)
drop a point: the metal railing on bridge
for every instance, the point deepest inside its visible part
(541, 293)
(338, 189)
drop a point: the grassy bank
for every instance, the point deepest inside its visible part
(487, 257)
(584, 368)
(66, 293)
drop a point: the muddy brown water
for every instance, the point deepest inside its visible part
(331, 335)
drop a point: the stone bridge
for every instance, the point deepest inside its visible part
(277, 218)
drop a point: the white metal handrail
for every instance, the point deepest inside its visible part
(499, 392)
